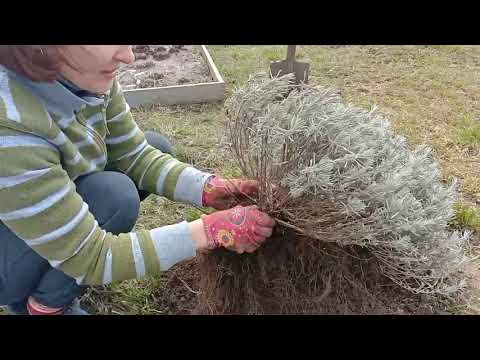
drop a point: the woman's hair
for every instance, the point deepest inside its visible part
(36, 62)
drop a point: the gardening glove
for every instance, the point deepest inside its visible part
(241, 229)
(224, 194)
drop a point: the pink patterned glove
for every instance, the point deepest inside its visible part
(241, 229)
(223, 194)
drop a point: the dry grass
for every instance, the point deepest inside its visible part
(429, 93)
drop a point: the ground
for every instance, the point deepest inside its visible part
(429, 93)
(164, 65)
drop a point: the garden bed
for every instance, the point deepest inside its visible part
(171, 75)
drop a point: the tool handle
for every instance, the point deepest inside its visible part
(291, 53)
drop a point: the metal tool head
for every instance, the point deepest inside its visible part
(300, 69)
(290, 65)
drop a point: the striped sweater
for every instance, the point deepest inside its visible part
(48, 138)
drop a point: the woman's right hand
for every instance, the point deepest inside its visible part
(240, 229)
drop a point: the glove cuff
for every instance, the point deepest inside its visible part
(207, 227)
(207, 190)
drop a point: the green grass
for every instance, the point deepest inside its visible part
(467, 216)
(429, 93)
(468, 134)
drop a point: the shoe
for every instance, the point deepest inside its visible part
(21, 309)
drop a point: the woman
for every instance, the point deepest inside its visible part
(73, 168)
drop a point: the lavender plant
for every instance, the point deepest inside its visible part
(339, 174)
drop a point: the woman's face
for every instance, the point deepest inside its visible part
(94, 67)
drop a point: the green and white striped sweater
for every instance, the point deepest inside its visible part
(48, 138)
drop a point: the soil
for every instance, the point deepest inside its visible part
(164, 65)
(179, 296)
(182, 294)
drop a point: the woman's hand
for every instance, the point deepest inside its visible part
(241, 229)
(224, 194)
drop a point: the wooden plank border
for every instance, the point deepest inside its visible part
(182, 94)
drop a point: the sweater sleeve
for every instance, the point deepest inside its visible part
(149, 168)
(39, 203)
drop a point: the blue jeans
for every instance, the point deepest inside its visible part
(114, 201)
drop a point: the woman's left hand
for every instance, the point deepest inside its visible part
(222, 194)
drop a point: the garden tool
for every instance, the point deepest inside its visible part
(290, 65)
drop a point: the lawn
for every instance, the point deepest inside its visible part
(429, 93)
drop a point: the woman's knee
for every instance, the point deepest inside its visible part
(112, 198)
(159, 142)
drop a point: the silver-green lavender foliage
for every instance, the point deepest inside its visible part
(316, 145)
